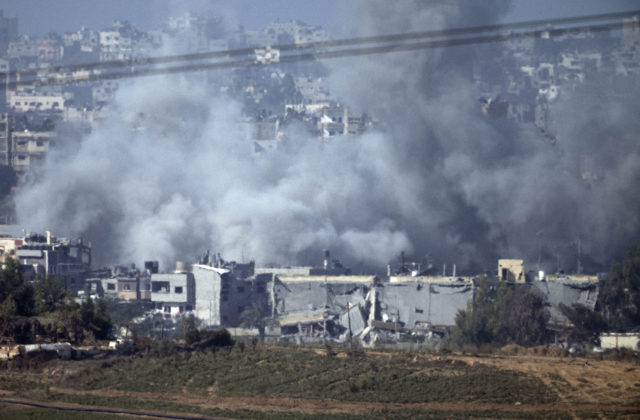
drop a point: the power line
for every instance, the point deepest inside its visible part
(125, 69)
(139, 61)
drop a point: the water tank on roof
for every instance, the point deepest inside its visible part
(183, 267)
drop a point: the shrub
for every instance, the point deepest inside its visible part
(213, 339)
(163, 348)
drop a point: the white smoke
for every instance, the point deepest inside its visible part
(168, 173)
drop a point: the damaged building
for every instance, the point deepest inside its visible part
(326, 302)
(565, 290)
(312, 307)
(367, 308)
(68, 260)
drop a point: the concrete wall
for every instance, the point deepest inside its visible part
(511, 270)
(181, 288)
(620, 340)
(430, 279)
(295, 295)
(416, 304)
(208, 284)
(567, 293)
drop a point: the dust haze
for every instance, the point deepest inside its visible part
(168, 173)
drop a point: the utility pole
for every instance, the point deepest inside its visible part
(349, 319)
(579, 268)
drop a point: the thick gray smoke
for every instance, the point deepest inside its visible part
(168, 173)
(490, 188)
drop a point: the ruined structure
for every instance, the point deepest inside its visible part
(66, 259)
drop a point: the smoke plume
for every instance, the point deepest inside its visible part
(167, 174)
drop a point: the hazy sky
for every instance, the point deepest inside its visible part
(42, 16)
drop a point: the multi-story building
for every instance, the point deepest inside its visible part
(8, 31)
(8, 247)
(23, 47)
(224, 291)
(25, 101)
(27, 148)
(293, 31)
(174, 293)
(335, 121)
(67, 260)
(115, 46)
(5, 141)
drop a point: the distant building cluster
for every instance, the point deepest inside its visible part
(531, 75)
(301, 304)
(291, 304)
(535, 71)
(55, 74)
(44, 255)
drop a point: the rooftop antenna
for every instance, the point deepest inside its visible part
(538, 234)
(579, 268)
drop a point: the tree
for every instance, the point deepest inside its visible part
(15, 292)
(255, 316)
(502, 313)
(84, 321)
(474, 325)
(190, 331)
(50, 295)
(521, 315)
(619, 296)
(587, 324)
(95, 319)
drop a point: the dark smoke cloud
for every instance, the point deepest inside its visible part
(491, 188)
(168, 175)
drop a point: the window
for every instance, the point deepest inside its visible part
(111, 286)
(160, 286)
(189, 308)
(167, 309)
(178, 289)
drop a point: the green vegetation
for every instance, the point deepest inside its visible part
(619, 296)
(122, 312)
(60, 317)
(587, 324)
(303, 374)
(492, 318)
(256, 316)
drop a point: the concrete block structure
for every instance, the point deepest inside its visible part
(173, 293)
